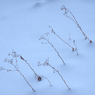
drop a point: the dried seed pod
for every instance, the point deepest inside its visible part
(90, 41)
(73, 49)
(39, 78)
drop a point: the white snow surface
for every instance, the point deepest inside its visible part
(23, 22)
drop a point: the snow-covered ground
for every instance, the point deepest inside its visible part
(23, 22)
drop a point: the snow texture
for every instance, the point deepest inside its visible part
(23, 22)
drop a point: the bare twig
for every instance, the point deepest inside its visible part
(75, 46)
(74, 20)
(26, 80)
(46, 63)
(42, 37)
(28, 65)
(8, 70)
(16, 69)
(36, 75)
(73, 49)
(15, 55)
(47, 80)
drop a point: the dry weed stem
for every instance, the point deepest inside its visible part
(66, 11)
(46, 63)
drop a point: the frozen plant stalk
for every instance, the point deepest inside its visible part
(66, 11)
(73, 49)
(48, 42)
(11, 61)
(36, 75)
(16, 69)
(46, 63)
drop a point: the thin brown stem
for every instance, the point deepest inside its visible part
(15, 55)
(75, 46)
(53, 48)
(73, 49)
(59, 75)
(26, 80)
(28, 65)
(8, 70)
(74, 20)
(36, 75)
(46, 63)
(47, 79)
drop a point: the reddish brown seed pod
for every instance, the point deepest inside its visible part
(90, 41)
(39, 78)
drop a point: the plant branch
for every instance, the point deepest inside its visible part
(74, 20)
(73, 49)
(42, 37)
(47, 80)
(1, 68)
(10, 61)
(46, 63)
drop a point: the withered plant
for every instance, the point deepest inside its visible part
(75, 46)
(39, 78)
(73, 49)
(10, 61)
(46, 63)
(48, 42)
(72, 17)
(15, 65)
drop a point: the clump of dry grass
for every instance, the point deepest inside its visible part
(72, 17)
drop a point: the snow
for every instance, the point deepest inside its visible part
(23, 22)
